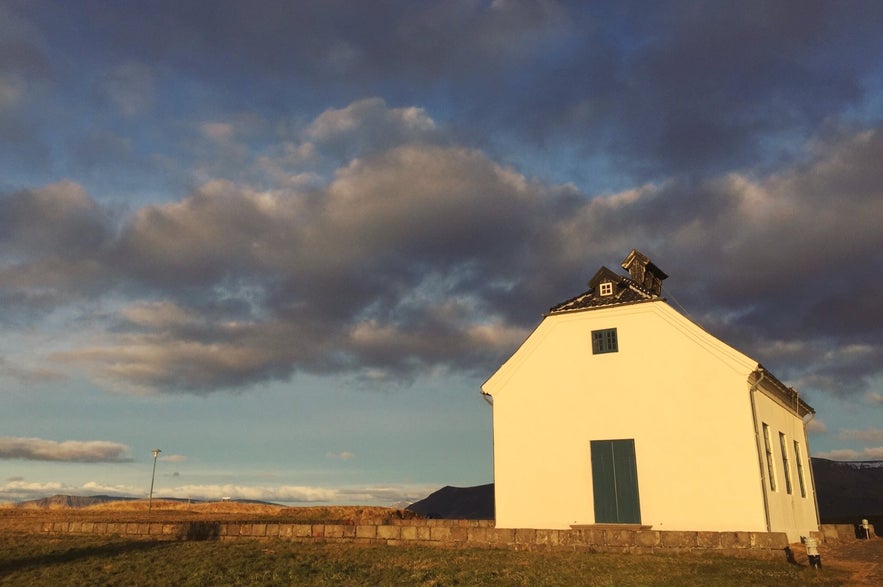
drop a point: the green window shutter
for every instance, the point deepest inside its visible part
(615, 482)
(604, 482)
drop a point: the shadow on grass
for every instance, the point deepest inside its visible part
(202, 530)
(69, 555)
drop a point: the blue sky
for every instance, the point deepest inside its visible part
(287, 242)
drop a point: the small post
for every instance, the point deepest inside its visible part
(156, 452)
(866, 527)
(812, 552)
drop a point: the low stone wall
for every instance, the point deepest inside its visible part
(449, 534)
(845, 532)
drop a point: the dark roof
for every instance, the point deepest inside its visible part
(642, 284)
(625, 291)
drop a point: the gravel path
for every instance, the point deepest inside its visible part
(863, 559)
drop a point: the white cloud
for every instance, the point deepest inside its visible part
(19, 489)
(342, 456)
(173, 458)
(368, 115)
(302, 494)
(840, 454)
(816, 426)
(867, 435)
(848, 454)
(873, 453)
(96, 488)
(874, 397)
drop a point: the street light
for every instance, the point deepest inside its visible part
(156, 452)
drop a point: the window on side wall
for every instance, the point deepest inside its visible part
(783, 446)
(604, 341)
(768, 448)
(799, 462)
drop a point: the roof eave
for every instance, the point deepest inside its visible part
(788, 395)
(601, 307)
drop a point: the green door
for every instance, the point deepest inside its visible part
(615, 482)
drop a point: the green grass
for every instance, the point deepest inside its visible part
(27, 560)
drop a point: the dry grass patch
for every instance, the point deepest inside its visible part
(89, 560)
(176, 511)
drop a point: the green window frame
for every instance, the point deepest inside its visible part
(605, 341)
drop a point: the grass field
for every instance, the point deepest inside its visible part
(38, 560)
(29, 560)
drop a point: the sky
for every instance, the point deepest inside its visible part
(286, 242)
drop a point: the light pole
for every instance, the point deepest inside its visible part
(156, 452)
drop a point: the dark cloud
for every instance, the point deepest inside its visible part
(675, 88)
(39, 449)
(345, 203)
(425, 257)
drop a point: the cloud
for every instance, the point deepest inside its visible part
(874, 397)
(368, 126)
(58, 220)
(816, 426)
(39, 449)
(841, 454)
(343, 455)
(420, 255)
(130, 88)
(19, 489)
(25, 75)
(848, 454)
(301, 494)
(338, 278)
(28, 374)
(867, 435)
(173, 458)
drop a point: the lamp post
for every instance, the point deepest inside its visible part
(156, 452)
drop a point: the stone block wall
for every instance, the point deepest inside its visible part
(448, 534)
(844, 532)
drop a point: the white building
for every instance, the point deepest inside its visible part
(617, 409)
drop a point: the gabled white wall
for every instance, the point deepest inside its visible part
(679, 392)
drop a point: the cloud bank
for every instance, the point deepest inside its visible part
(18, 489)
(280, 191)
(40, 449)
(423, 256)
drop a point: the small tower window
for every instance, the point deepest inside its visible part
(606, 289)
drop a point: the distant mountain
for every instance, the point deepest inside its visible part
(81, 501)
(846, 491)
(70, 501)
(849, 491)
(458, 503)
